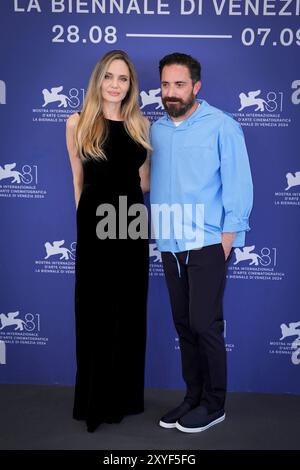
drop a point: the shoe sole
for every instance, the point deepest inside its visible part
(167, 425)
(203, 428)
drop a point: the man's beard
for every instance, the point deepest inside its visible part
(173, 108)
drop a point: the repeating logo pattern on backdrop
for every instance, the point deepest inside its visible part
(247, 263)
(259, 108)
(256, 107)
(250, 263)
(152, 101)
(289, 196)
(57, 259)
(57, 104)
(291, 348)
(155, 265)
(20, 181)
(18, 328)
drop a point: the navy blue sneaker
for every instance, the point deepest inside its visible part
(169, 419)
(198, 419)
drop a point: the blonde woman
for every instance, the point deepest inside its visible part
(108, 145)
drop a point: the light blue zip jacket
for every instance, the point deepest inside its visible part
(204, 160)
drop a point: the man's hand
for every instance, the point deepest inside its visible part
(227, 241)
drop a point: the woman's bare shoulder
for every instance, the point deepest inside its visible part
(72, 120)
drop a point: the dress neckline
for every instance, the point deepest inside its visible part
(113, 120)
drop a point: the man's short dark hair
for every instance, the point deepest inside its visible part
(182, 59)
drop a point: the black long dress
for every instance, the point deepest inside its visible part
(111, 290)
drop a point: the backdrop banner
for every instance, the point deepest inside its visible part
(249, 52)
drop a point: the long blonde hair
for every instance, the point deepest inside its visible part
(92, 128)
